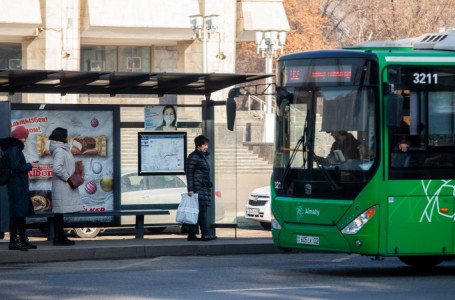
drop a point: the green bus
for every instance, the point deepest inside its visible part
(365, 150)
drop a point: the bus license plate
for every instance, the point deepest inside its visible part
(308, 240)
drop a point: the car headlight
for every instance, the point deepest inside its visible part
(275, 224)
(359, 222)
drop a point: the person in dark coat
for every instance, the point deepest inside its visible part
(345, 142)
(198, 181)
(20, 204)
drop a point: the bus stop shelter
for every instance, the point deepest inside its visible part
(112, 84)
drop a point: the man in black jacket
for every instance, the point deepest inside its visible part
(198, 180)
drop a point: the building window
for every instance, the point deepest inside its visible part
(113, 58)
(10, 56)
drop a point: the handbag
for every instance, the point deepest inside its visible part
(76, 179)
(188, 210)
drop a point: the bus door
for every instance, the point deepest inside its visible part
(421, 164)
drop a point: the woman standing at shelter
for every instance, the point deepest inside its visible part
(65, 199)
(198, 180)
(20, 204)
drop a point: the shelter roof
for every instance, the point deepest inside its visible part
(113, 83)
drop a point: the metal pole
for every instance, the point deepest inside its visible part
(204, 50)
(269, 124)
(269, 81)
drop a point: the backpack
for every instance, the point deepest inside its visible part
(5, 172)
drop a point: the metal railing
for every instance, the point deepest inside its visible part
(262, 106)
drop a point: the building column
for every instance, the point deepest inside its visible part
(57, 46)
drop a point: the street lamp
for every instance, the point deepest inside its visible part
(204, 28)
(268, 43)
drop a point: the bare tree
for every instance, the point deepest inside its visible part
(353, 21)
(307, 33)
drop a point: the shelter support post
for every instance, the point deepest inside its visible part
(208, 127)
(5, 130)
(139, 230)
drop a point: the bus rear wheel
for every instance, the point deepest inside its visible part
(421, 262)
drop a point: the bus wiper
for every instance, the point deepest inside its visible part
(300, 142)
(287, 170)
(333, 185)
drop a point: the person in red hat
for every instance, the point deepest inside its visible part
(20, 204)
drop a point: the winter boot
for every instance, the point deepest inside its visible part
(16, 245)
(26, 243)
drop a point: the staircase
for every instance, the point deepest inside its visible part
(129, 154)
(240, 160)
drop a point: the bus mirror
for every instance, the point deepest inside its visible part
(393, 75)
(230, 113)
(231, 108)
(394, 110)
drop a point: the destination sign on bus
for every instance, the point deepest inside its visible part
(318, 74)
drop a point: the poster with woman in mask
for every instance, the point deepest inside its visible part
(160, 118)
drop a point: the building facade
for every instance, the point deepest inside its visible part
(134, 35)
(194, 36)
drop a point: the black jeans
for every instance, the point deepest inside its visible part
(203, 221)
(59, 234)
(17, 225)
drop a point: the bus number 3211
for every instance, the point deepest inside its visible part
(425, 78)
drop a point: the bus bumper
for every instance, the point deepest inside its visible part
(310, 237)
(328, 238)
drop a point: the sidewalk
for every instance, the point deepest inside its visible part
(118, 244)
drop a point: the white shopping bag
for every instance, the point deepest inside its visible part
(188, 210)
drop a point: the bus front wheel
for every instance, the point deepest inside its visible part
(421, 261)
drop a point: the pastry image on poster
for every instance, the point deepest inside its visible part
(41, 201)
(90, 136)
(80, 145)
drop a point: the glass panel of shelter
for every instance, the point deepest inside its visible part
(189, 119)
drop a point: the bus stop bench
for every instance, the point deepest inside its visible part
(139, 229)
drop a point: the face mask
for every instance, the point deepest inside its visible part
(169, 119)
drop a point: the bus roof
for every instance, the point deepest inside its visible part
(360, 53)
(444, 41)
(427, 45)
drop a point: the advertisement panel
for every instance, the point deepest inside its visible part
(160, 117)
(90, 135)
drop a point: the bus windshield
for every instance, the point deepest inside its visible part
(325, 127)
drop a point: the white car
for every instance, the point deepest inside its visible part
(258, 207)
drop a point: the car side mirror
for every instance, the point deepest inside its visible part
(394, 110)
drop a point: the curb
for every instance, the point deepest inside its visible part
(130, 249)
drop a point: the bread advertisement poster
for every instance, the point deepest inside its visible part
(90, 136)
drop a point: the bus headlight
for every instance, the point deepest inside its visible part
(275, 224)
(359, 222)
